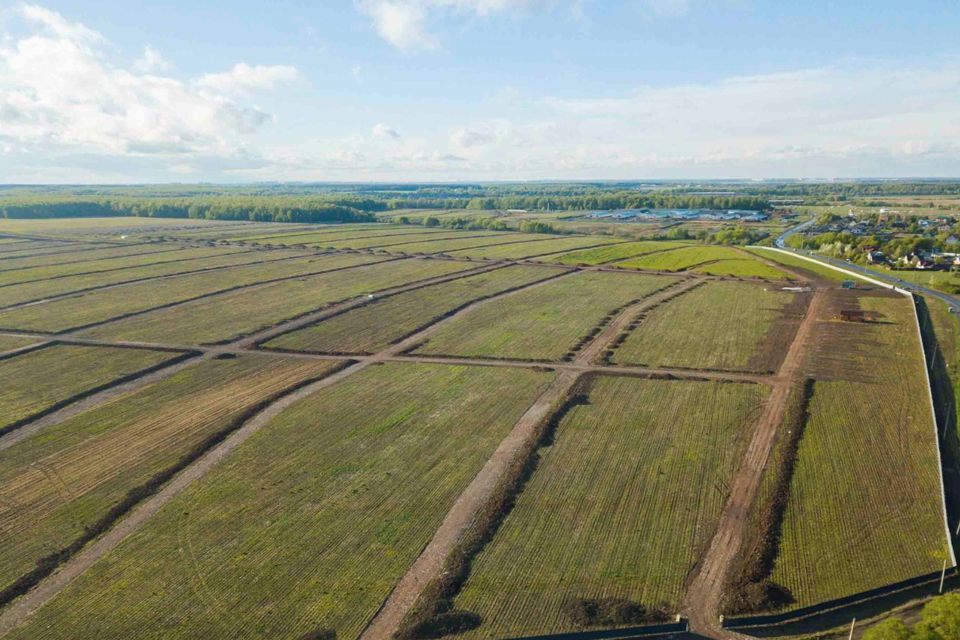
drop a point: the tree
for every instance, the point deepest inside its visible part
(893, 629)
(942, 616)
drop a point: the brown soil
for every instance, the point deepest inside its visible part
(704, 593)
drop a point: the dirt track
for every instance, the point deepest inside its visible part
(703, 598)
(26, 605)
(428, 566)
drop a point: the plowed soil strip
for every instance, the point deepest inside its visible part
(702, 602)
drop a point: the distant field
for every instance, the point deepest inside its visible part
(99, 306)
(229, 315)
(41, 289)
(465, 241)
(328, 237)
(67, 226)
(72, 254)
(704, 259)
(865, 506)
(174, 254)
(622, 504)
(603, 255)
(68, 476)
(375, 326)
(719, 325)
(372, 240)
(311, 522)
(528, 249)
(543, 323)
(33, 382)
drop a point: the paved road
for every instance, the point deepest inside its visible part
(886, 276)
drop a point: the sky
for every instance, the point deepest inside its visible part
(477, 90)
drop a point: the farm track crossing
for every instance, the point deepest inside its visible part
(481, 490)
(703, 598)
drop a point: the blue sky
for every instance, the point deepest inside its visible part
(477, 90)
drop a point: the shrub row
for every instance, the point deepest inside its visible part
(607, 612)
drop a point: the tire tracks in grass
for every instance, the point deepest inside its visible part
(705, 591)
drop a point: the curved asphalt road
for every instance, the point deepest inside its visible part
(952, 301)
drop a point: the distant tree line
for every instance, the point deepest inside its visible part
(262, 209)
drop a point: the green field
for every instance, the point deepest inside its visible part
(65, 478)
(377, 325)
(543, 323)
(465, 241)
(801, 263)
(230, 315)
(98, 306)
(174, 254)
(745, 268)
(73, 254)
(42, 289)
(531, 249)
(8, 343)
(719, 325)
(613, 253)
(621, 505)
(870, 439)
(311, 522)
(34, 382)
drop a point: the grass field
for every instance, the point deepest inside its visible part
(466, 241)
(330, 237)
(71, 254)
(535, 248)
(72, 226)
(719, 325)
(621, 505)
(375, 326)
(603, 255)
(173, 254)
(34, 382)
(800, 263)
(13, 342)
(347, 486)
(543, 323)
(870, 439)
(725, 261)
(57, 482)
(98, 306)
(229, 315)
(42, 289)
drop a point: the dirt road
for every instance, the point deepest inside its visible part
(429, 565)
(704, 594)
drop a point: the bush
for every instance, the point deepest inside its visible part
(447, 623)
(586, 612)
(320, 634)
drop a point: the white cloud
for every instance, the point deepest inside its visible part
(466, 138)
(151, 61)
(59, 93)
(404, 23)
(380, 130)
(243, 77)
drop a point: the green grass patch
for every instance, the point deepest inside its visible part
(613, 253)
(719, 325)
(230, 315)
(621, 505)
(865, 505)
(542, 323)
(377, 325)
(34, 382)
(65, 478)
(528, 249)
(311, 522)
(98, 306)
